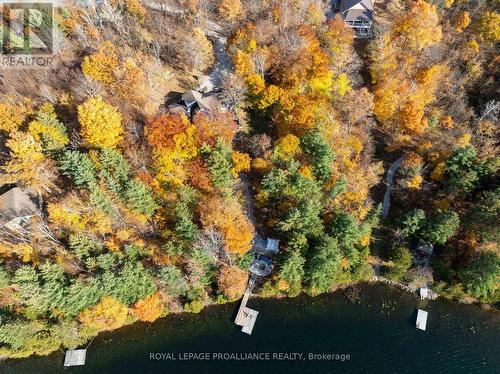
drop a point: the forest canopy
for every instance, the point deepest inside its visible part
(142, 206)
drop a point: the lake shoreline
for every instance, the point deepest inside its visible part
(339, 290)
(380, 321)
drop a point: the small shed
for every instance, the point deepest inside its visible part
(421, 319)
(266, 246)
(424, 292)
(250, 316)
(428, 294)
(261, 266)
(17, 207)
(75, 357)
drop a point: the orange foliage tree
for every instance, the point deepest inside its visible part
(149, 309)
(160, 130)
(228, 218)
(215, 125)
(109, 314)
(232, 281)
(404, 88)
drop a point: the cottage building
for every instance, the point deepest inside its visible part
(191, 102)
(358, 14)
(17, 207)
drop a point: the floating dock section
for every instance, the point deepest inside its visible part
(75, 357)
(421, 320)
(250, 318)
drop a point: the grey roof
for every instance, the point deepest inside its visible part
(192, 102)
(16, 203)
(357, 10)
(358, 15)
(192, 98)
(348, 4)
(177, 108)
(266, 246)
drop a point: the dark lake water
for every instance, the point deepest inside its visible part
(378, 334)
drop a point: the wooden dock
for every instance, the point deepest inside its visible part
(250, 318)
(75, 357)
(246, 317)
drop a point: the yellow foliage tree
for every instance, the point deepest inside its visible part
(415, 182)
(488, 26)
(72, 214)
(101, 123)
(341, 84)
(287, 147)
(241, 162)
(135, 8)
(228, 218)
(411, 116)
(420, 26)
(461, 21)
(109, 314)
(386, 103)
(12, 115)
(27, 164)
(101, 66)
(230, 9)
(204, 46)
(149, 309)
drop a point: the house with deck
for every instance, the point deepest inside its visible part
(358, 14)
(17, 207)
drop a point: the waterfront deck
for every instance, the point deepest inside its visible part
(75, 357)
(240, 316)
(246, 317)
(421, 320)
(250, 318)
